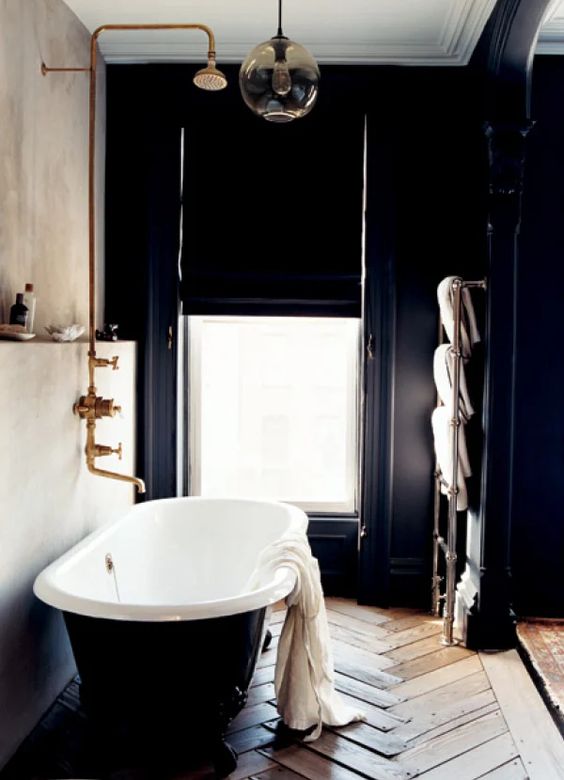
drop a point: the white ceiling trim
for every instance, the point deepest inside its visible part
(415, 33)
(463, 27)
(551, 38)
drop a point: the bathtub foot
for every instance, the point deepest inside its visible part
(267, 640)
(224, 759)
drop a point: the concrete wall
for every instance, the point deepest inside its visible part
(47, 499)
(43, 160)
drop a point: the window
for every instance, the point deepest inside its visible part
(274, 409)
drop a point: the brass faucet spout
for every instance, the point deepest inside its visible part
(140, 485)
(94, 451)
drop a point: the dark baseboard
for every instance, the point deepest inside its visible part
(410, 583)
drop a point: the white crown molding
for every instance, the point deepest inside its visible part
(359, 54)
(551, 38)
(463, 26)
(448, 38)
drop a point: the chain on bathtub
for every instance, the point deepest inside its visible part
(111, 569)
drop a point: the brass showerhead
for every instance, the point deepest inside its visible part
(210, 78)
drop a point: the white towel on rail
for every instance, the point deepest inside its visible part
(442, 431)
(469, 334)
(443, 371)
(304, 677)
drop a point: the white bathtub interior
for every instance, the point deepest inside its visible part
(172, 552)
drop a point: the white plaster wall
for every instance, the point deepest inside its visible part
(44, 160)
(48, 500)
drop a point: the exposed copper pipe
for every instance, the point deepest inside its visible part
(90, 407)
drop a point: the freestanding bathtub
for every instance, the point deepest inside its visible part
(164, 621)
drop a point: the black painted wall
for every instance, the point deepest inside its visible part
(538, 487)
(440, 213)
(435, 182)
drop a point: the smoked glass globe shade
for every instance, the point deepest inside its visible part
(279, 80)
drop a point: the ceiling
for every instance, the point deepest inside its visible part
(551, 38)
(410, 32)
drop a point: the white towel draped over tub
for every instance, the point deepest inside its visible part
(469, 334)
(304, 679)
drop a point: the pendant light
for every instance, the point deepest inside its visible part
(279, 78)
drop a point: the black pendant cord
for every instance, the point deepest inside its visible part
(279, 34)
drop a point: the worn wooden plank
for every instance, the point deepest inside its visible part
(252, 716)
(429, 662)
(372, 615)
(253, 738)
(357, 758)
(251, 763)
(70, 696)
(376, 677)
(430, 705)
(268, 658)
(412, 650)
(435, 679)
(381, 742)
(358, 640)
(454, 723)
(431, 753)
(532, 728)
(430, 628)
(263, 675)
(308, 764)
(368, 693)
(477, 762)
(277, 773)
(543, 641)
(408, 621)
(379, 718)
(361, 656)
(370, 630)
(437, 718)
(261, 693)
(514, 770)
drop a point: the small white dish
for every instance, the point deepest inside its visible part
(12, 336)
(65, 332)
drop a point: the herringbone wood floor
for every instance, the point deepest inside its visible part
(431, 712)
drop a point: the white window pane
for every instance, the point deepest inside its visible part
(273, 409)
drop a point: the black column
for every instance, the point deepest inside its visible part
(484, 596)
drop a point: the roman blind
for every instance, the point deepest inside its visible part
(272, 215)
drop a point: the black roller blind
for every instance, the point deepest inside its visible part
(272, 215)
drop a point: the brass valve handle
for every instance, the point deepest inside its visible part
(100, 450)
(104, 362)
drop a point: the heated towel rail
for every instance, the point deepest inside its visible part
(440, 544)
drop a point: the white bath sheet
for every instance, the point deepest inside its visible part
(304, 680)
(443, 370)
(442, 431)
(469, 334)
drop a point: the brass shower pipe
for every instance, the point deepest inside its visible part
(91, 407)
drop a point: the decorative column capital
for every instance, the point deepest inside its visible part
(506, 158)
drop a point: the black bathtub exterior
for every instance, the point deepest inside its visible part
(172, 687)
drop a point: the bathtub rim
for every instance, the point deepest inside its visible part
(46, 588)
